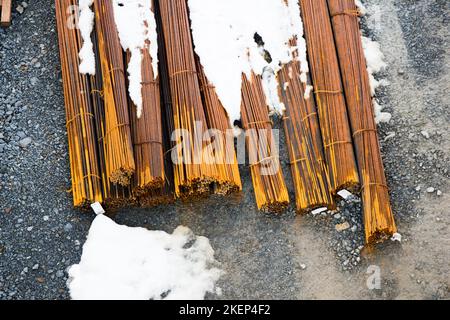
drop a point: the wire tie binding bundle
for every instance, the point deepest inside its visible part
(148, 142)
(100, 92)
(112, 129)
(260, 122)
(298, 160)
(328, 91)
(261, 161)
(363, 131)
(79, 115)
(169, 151)
(181, 72)
(145, 83)
(374, 184)
(309, 116)
(336, 142)
(352, 13)
(84, 178)
(113, 70)
(91, 175)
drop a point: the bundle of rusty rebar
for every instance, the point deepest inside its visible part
(304, 140)
(120, 165)
(223, 137)
(5, 13)
(336, 134)
(378, 218)
(120, 158)
(195, 172)
(85, 171)
(268, 181)
(115, 195)
(147, 133)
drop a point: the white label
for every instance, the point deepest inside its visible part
(98, 209)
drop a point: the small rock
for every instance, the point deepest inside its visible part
(439, 193)
(418, 188)
(29, 228)
(430, 190)
(303, 266)
(60, 273)
(25, 142)
(390, 135)
(68, 227)
(40, 280)
(342, 226)
(354, 228)
(21, 135)
(46, 218)
(25, 270)
(20, 9)
(425, 134)
(337, 216)
(8, 210)
(35, 267)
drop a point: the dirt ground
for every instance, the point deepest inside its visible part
(414, 36)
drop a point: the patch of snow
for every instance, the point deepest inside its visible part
(136, 26)
(86, 25)
(223, 34)
(270, 87)
(380, 116)
(120, 262)
(308, 91)
(375, 63)
(374, 58)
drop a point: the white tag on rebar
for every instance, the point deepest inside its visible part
(98, 209)
(345, 194)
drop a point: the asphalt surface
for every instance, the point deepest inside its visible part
(286, 257)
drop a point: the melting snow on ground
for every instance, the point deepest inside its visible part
(375, 63)
(120, 262)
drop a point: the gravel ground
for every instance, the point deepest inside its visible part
(287, 257)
